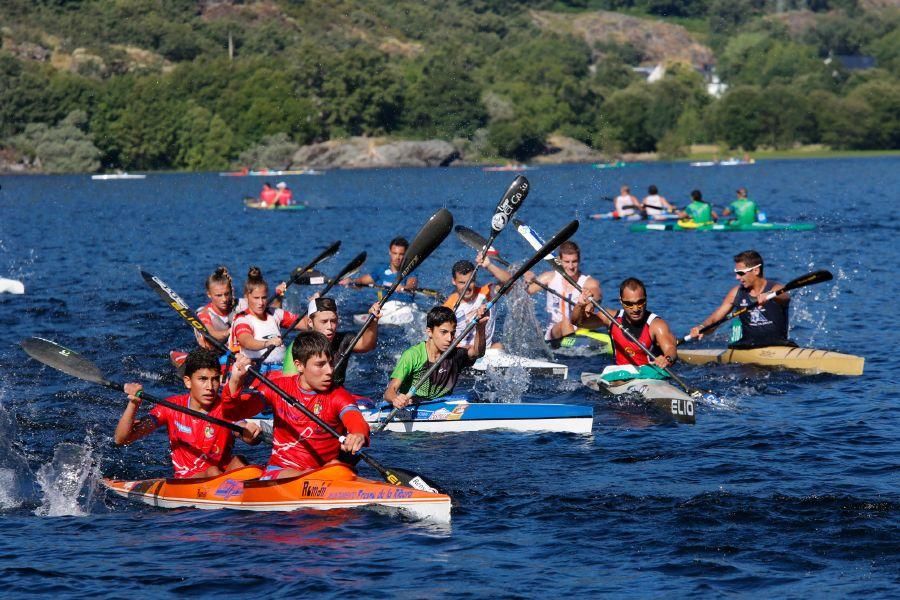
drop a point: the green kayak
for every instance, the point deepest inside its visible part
(691, 226)
(255, 204)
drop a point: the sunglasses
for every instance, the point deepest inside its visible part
(743, 272)
(635, 304)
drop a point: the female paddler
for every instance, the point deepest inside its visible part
(221, 309)
(199, 448)
(259, 327)
(300, 445)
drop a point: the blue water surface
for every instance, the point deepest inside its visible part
(788, 485)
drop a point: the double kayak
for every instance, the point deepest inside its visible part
(394, 312)
(584, 342)
(662, 395)
(327, 488)
(806, 360)
(616, 216)
(687, 225)
(257, 205)
(497, 359)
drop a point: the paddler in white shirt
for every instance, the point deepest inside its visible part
(626, 205)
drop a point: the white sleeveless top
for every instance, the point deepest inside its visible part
(655, 200)
(624, 205)
(558, 309)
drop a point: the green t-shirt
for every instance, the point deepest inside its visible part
(414, 362)
(744, 211)
(699, 212)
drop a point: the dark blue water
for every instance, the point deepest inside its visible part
(788, 485)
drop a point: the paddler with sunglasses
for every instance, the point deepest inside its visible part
(649, 329)
(767, 323)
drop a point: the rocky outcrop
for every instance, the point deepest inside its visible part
(561, 149)
(362, 152)
(657, 42)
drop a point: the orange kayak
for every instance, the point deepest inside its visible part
(334, 486)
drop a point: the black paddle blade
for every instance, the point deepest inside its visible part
(312, 277)
(475, 241)
(509, 203)
(352, 266)
(174, 300)
(327, 253)
(398, 476)
(808, 279)
(62, 359)
(433, 232)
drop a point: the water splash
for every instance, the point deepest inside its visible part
(69, 480)
(504, 385)
(522, 333)
(14, 470)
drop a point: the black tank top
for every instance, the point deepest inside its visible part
(765, 325)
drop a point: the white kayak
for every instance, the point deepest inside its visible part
(660, 393)
(11, 286)
(115, 176)
(495, 358)
(394, 312)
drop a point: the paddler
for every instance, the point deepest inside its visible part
(386, 276)
(560, 312)
(283, 195)
(322, 316)
(699, 211)
(298, 444)
(440, 331)
(475, 297)
(655, 205)
(267, 195)
(649, 329)
(198, 448)
(743, 208)
(258, 328)
(765, 324)
(220, 311)
(626, 204)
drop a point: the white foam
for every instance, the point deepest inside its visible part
(68, 481)
(8, 487)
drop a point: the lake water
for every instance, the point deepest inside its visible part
(788, 485)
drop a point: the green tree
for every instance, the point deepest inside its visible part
(735, 117)
(65, 148)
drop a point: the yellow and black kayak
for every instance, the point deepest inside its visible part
(690, 225)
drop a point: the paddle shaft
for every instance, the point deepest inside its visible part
(799, 282)
(423, 291)
(471, 278)
(561, 236)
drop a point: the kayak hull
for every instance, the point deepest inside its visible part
(664, 396)
(328, 488)
(498, 359)
(584, 342)
(11, 286)
(253, 203)
(806, 360)
(722, 227)
(394, 312)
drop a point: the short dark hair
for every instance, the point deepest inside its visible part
(696, 195)
(439, 315)
(568, 247)
(399, 241)
(751, 258)
(200, 358)
(652, 190)
(462, 267)
(632, 283)
(325, 304)
(308, 344)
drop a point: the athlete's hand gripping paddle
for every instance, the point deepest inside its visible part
(509, 204)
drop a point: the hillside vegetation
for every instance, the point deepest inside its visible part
(179, 84)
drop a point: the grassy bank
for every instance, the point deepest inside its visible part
(811, 151)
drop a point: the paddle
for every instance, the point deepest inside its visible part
(424, 291)
(298, 272)
(793, 284)
(350, 267)
(507, 207)
(392, 475)
(561, 236)
(534, 239)
(433, 232)
(72, 363)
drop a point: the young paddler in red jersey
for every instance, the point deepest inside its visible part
(647, 327)
(299, 445)
(222, 307)
(199, 448)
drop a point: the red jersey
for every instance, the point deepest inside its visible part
(627, 352)
(197, 445)
(286, 197)
(267, 196)
(297, 442)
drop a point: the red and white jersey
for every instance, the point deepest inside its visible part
(197, 445)
(559, 310)
(297, 441)
(216, 321)
(246, 322)
(626, 352)
(466, 311)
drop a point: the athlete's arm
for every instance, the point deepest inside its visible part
(582, 315)
(369, 337)
(392, 394)
(476, 350)
(544, 278)
(662, 336)
(127, 430)
(246, 340)
(411, 283)
(716, 315)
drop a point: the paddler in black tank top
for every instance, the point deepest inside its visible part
(763, 325)
(652, 331)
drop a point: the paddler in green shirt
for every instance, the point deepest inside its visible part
(744, 209)
(699, 211)
(440, 329)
